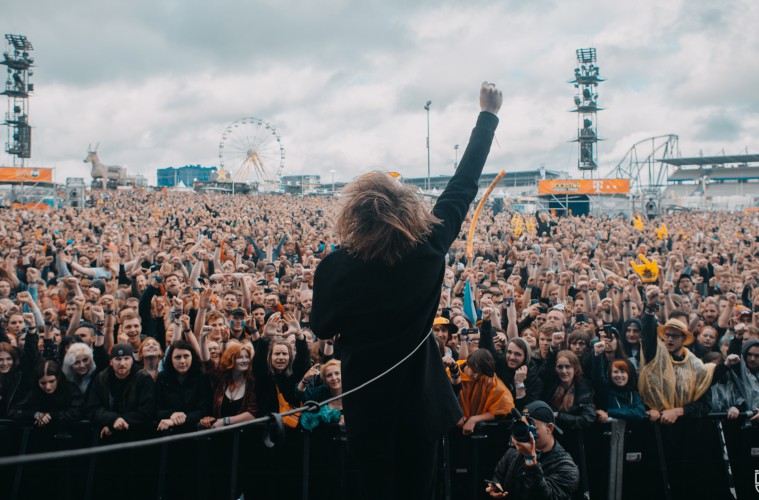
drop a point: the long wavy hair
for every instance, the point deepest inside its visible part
(382, 219)
(574, 361)
(224, 377)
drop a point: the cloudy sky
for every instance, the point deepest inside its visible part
(344, 82)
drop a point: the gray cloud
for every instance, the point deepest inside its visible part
(345, 82)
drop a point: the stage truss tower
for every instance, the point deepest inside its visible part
(17, 88)
(586, 82)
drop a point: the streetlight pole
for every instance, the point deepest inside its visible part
(456, 156)
(333, 181)
(427, 107)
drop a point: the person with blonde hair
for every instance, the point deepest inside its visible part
(330, 385)
(79, 367)
(391, 264)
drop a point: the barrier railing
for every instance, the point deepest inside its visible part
(694, 458)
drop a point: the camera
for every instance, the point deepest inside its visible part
(521, 430)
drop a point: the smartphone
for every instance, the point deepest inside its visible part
(495, 485)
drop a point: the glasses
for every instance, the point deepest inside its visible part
(673, 336)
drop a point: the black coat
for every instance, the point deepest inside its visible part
(555, 477)
(383, 312)
(533, 384)
(14, 386)
(136, 405)
(64, 405)
(193, 397)
(582, 413)
(267, 385)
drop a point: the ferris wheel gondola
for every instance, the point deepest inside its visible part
(251, 151)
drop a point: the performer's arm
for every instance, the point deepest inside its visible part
(453, 204)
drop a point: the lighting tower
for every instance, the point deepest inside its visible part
(586, 106)
(17, 88)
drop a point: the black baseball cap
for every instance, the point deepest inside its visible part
(539, 410)
(120, 350)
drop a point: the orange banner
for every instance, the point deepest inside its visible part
(584, 186)
(31, 206)
(20, 174)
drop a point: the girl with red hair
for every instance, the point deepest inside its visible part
(234, 396)
(617, 392)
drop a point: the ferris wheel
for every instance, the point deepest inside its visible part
(251, 150)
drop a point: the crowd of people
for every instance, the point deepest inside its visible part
(157, 310)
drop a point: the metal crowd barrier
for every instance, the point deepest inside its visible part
(695, 458)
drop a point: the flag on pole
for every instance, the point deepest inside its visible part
(469, 309)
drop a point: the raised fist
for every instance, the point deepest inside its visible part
(557, 339)
(490, 98)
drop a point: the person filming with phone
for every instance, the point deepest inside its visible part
(535, 466)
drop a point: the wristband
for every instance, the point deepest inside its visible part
(520, 386)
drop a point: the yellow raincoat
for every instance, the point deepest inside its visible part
(665, 383)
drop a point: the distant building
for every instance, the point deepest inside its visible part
(170, 176)
(300, 184)
(521, 183)
(138, 181)
(713, 182)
